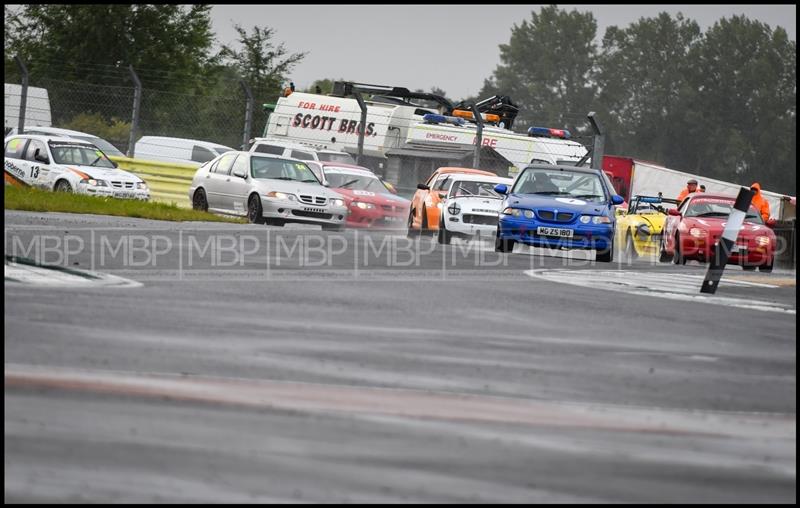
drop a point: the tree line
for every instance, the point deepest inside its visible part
(720, 103)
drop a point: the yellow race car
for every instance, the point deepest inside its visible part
(639, 227)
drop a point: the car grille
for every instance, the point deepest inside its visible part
(312, 200)
(315, 215)
(121, 185)
(485, 220)
(388, 208)
(550, 215)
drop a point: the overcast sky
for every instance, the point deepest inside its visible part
(420, 46)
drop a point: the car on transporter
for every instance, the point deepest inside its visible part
(566, 207)
(266, 189)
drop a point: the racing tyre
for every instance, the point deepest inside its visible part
(411, 231)
(423, 228)
(605, 256)
(663, 257)
(678, 258)
(199, 201)
(254, 212)
(444, 234)
(766, 268)
(63, 186)
(630, 250)
(503, 245)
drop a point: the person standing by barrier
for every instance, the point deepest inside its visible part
(691, 186)
(760, 204)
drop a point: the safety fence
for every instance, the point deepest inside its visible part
(168, 182)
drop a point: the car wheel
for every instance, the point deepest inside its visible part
(423, 228)
(663, 256)
(678, 257)
(503, 245)
(605, 256)
(63, 186)
(199, 201)
(254, 211)
(411, 231)
(767, 267)
(444, 235)
(630, 249)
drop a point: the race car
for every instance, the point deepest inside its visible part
(69, 165)
(266, 189)
(427, 202)
(692, 231)
(565, 207)
(639, 227)
(369, 201)
(471, 206)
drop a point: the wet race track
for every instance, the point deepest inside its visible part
(200, 362)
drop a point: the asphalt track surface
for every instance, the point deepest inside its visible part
(343, 372)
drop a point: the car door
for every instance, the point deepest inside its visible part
(215, 179)
(39, 164)
(16, 170)
(237, 188)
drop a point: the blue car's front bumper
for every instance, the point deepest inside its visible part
(585, 236)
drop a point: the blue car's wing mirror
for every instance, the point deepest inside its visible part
(617, 199)
(501, 188)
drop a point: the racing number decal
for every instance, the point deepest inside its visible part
(34, 172)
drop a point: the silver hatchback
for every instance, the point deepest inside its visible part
(266, 189)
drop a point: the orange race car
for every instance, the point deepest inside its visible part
(426, 204)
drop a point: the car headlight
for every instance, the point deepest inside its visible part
(94, 182)
(337, 203)
(141, 186)
(643, 230)
(280, 195)
(514, 212)
(586, 219)
(454, 209)
(763, 241)
(439, 205)
(697, 232)
(601, 219)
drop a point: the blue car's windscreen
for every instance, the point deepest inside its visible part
(561, 183)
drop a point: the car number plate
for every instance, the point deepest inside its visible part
(124, 194)
(738, 249)
(559, 232)
(389, 218)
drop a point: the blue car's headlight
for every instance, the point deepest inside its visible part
(514, 212)
(595, 219)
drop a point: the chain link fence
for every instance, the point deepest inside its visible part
(107, 110)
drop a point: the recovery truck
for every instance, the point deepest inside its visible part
(408, 135)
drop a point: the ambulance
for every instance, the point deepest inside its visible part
(408, 135)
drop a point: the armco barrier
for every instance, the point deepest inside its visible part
(168, 182)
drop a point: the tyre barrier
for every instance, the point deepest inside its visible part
(168, 182)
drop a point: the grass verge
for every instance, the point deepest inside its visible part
(37, 200)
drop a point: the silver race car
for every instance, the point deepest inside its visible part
(266, 189)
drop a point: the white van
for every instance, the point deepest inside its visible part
(299, 151)
(37, 107)
(178, 150)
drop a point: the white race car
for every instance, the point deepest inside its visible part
(67, 164)
(471, 206)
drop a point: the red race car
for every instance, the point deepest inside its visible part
(368, 199)
(692, 231)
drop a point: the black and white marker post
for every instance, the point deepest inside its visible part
(728, 239)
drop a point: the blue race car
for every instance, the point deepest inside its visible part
(559, 207)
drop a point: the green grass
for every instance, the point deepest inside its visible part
(37, 200)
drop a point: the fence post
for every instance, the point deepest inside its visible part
(248, 114)
(599, 146)
(23, 100)
(137, 101)
(476, 159)
(362, 125)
